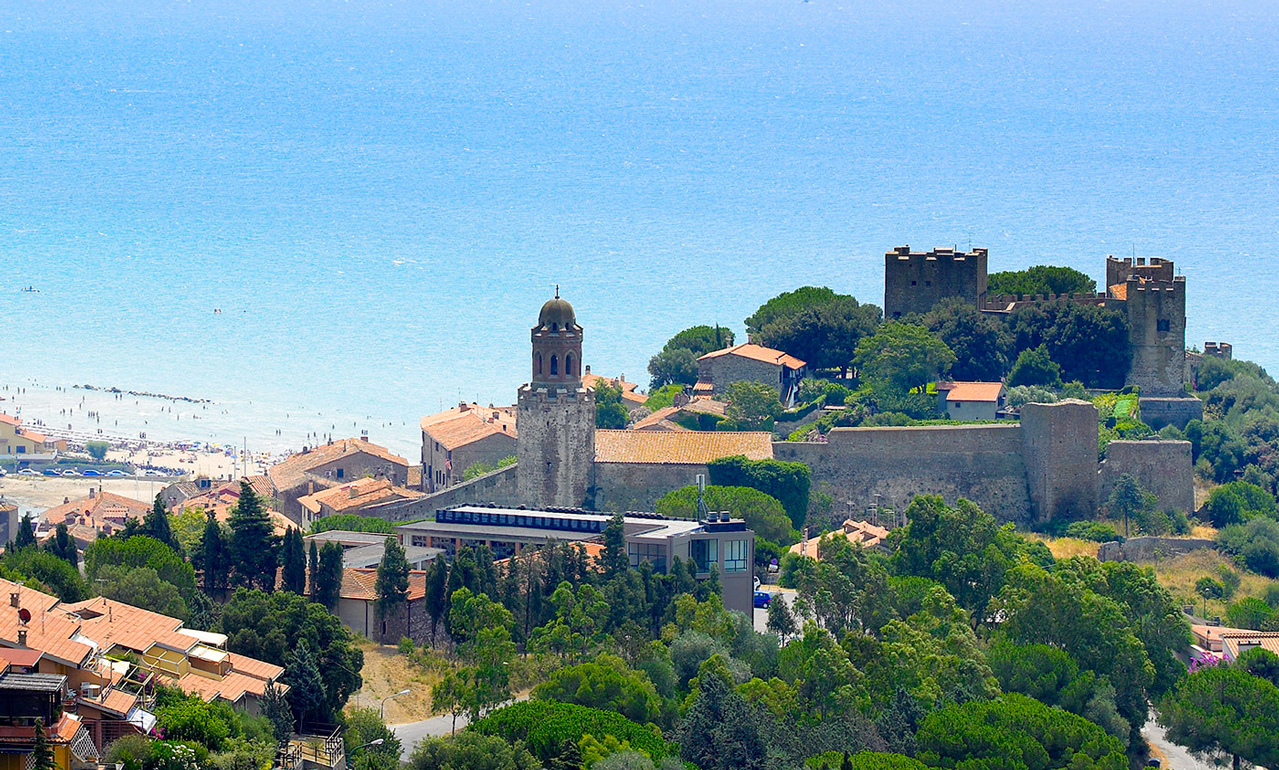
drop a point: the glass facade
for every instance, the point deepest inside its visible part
(735, 555)
(704, 554)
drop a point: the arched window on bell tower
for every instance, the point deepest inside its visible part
(555, 366)
(539, 363)
(568, 365)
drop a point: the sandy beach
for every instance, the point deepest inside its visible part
(36, 494)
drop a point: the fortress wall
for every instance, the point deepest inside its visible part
(1163, 468)
(638, 486)
(1060, 443)
(982, 463)
(498, 487)
(1158, 412)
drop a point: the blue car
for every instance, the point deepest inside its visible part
(762, 599)
(91, 472)
(50, 472)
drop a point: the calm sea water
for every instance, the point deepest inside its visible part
(379, 196)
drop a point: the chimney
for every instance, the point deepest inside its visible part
(22, 637)
(13, 599)
(352, 493)
(588, 368)
(92, 493)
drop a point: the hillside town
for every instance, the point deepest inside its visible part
(1001, 520)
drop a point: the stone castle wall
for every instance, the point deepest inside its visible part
(1060, 448)
(1150, 548)
(914, 282)
(1163, 468)
(556, 449)
(499, 486)
(638, 486)
(982, 463)
(1157, 332)
(1159, 411)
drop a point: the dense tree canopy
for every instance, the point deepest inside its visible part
(822, 333)
(788, 482)
(1040, 279)
(981, 343)
(1224, 708)
(140, 551)
(1089, 343)
(903, 357)
(676, 363)
(763, 513)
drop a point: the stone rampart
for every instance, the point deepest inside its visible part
(499, 486)
(1158, 412)
(1163, 468)
(982, 463)
(1150, 548)
(1060, 446)
(638, 486)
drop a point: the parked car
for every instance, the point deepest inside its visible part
(50, 472)
(28, 472)
(91, 472)
(71, 472)
(763, 599)
(117, 473)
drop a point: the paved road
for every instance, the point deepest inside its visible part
(1174, 757)
(412, 732)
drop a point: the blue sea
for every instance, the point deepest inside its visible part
(378, 196)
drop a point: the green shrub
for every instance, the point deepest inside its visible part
(352, 522)
(545, 726)
(1091, 530)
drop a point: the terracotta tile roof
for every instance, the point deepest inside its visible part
(987, 392)
(232, 687)
(653, 421)
(869, 535)
(1236, 641)
(65, 728)
(361, 584)
(219, 502)
(49, 631)
(109, 623)
(415, 477)
(8, 420)
(357, 494)
(468, 427)
(19, 658)
(590, 379)
(259, 669)
(1119, 291)
(103, 506)
(703, 387)
(691, 447)
(757, 353)
(295, 470)
(117, 701)
(706, 405)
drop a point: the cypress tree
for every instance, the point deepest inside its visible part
(275, 706)
(294, 572)
(213, 556)
(328, 578)
(437, 603)
(26, 533)
(306, 687)
(314, 563)
(615, 561)
(42, 751)
(63, 546)
(156, 524)
(392, 579)
(253, 541)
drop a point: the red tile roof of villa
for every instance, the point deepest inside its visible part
(688, 448)
(296, 469)
(758, 353)
(972, 391)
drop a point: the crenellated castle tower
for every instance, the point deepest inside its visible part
(1154, 299)
(556, 415)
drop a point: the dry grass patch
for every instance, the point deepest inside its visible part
(1064, 547)
(387, 671)
(1180, 574)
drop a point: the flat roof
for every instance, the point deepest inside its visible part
(644, 525)
(346, 536)
(371, 555)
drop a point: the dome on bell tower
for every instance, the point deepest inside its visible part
(556, 314)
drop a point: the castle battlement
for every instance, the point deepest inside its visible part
(904, 254)
(529, 395)
(915, 281)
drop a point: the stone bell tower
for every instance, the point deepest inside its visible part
(556, 415)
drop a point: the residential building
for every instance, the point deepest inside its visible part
(9, 520)
(223, 497)
(328, 465)
(357, 608)
(749, 362)
(26, 698)
(719, 542)
(969, 401)
(100, 513)
(457, 438)
(698, 413)
(26, 445)
(364, 497)
(112, 653)
(862, 533)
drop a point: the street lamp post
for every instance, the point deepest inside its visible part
(375, 742)
(387, 698)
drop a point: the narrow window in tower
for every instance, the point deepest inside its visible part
(555, 365)
(539, 363)
(568, 365)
